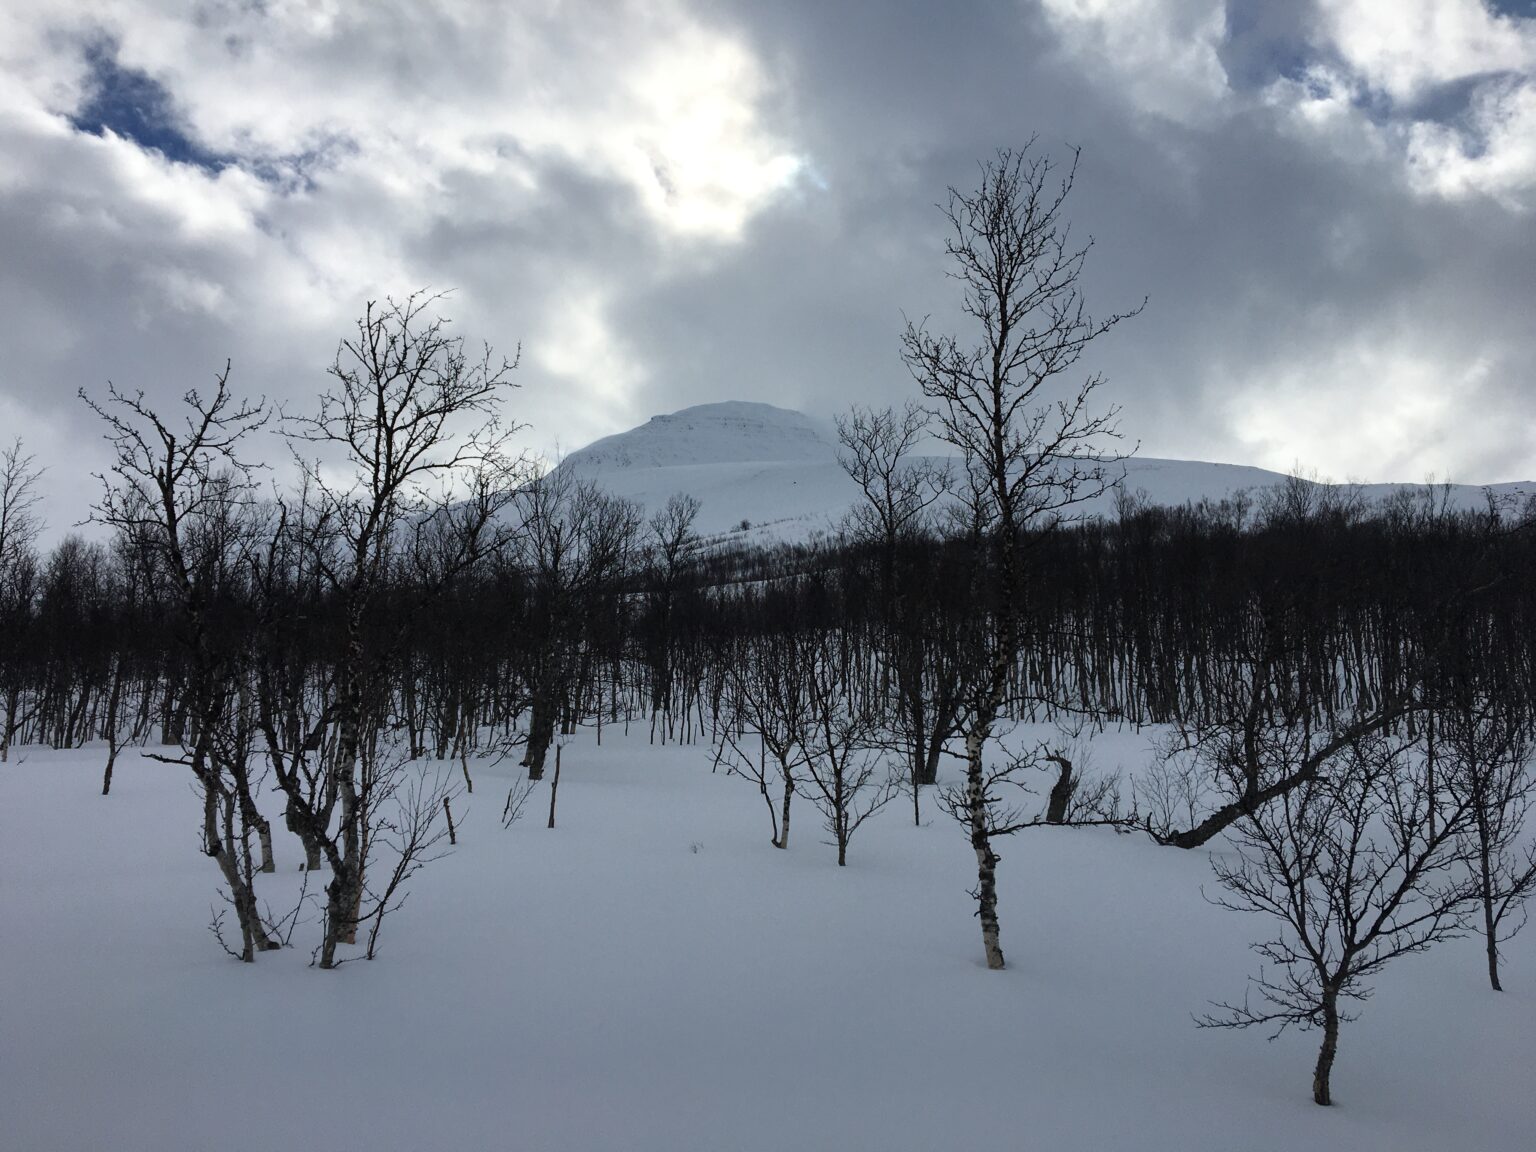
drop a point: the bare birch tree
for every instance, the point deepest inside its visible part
(183, 488)
(416, 420)
(1033, 433)
(574, 541)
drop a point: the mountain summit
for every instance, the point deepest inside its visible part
(732, 432)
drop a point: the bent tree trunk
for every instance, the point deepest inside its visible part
(1321, 1090)
(1245, 805)
(1254, 797)
(1061, 791)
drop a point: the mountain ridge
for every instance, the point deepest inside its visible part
(771, 473)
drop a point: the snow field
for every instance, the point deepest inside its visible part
(652, 974)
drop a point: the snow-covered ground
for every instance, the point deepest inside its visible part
(777, 469)
(653, 975)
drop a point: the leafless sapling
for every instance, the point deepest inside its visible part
(1485, 746)
(1353, 872)
(845, 771)
(769, 696)
(900, 490)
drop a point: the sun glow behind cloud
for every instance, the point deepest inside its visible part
(641, 93)
(270, 166)
(1397, 410)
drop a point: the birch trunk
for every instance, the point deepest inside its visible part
(541, 734)
(1490, 920)
(221, 846)
(344, 892)
(981, 842)
(789, 794)
(1321, 1089)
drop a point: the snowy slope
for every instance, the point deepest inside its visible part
(777, 469)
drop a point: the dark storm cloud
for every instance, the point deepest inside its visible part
(1266, 40)
(673, 205)
(1261, 250)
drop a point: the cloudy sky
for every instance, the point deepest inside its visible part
(1330, 204)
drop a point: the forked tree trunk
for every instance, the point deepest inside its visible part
(221, 845)
(313, 855)
(251, 817)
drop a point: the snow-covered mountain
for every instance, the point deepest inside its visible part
(733, 432)
(776, 470)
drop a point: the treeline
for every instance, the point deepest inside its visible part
(1143, 619)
